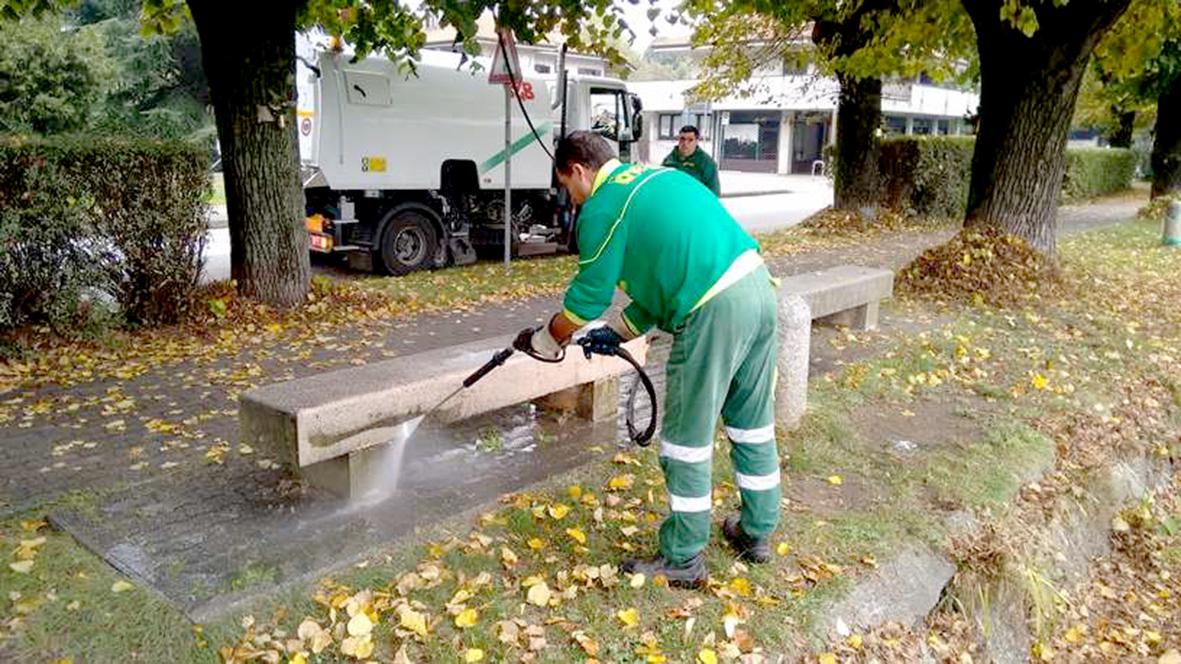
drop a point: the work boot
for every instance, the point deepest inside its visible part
(690, 574)
(750, 549)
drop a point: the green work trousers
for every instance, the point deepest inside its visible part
(722, 361)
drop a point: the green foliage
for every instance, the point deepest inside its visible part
(50, 78)
(928, 176)
(859, 39)
(1092, 172)
(87, 223)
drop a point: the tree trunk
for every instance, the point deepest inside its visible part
(251, 70)
(1166, 145)
(1028, 89)
(859, 112)
(1125, 124)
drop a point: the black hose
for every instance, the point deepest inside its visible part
(641, 438)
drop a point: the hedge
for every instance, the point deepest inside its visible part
(1092, 172)
(92, 229)
(928, 176)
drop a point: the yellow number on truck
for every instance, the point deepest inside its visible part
(373, 164)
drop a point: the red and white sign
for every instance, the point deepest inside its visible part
(502, 73)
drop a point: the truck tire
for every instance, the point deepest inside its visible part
(409, 242)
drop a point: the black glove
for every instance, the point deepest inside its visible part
(602, 340)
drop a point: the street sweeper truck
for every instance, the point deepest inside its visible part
(405, 171)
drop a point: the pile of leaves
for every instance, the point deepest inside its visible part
(1156, 209)
(980, 266)
(831, 221)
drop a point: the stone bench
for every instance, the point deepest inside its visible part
(842, 295)
(330, 428)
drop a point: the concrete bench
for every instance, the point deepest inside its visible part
(845, 295)
(331, 427)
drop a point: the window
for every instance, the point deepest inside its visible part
(667, 129)
(611, 115)
(943, 127)
(542, 69)
(923, 126)
(669, 124)
(894, 125)
(590, 71)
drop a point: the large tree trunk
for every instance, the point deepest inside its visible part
(251, 70)
(859, 112)
(1166, 145)
(1125, 124)
(1028, 89)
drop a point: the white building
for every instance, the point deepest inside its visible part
(784, 125)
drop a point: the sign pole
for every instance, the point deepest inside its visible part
(508, 173)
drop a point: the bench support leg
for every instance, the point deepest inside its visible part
(791, 379)
(864, 317)
(597, 401)
(360, 474)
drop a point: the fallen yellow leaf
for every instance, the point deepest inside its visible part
(539, 594)
(23, 567)
(577, 535)
(473, 655)
(360, 624)
(621, 482)
(1039, 382)
(854, 641)
(467, 618)
(298, 658)
(121, 587)
(783, 549)
(629, 617)
(558, 511)
(360, 647)
(414, 621)
(574, 491)
(707, 656)
(740, 586)
(536, 544)
(827, 658)
(637, 580)
(835, 480)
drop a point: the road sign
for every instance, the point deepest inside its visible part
(505, 71)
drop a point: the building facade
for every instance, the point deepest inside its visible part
(783, 124)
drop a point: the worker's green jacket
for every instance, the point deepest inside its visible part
(699, 165)
(663, 239)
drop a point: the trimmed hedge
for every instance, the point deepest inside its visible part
(93, 229)
(1092, 172)
(928, 176)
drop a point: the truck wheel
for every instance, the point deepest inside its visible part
(408, 243)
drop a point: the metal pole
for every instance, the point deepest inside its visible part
(508, 174)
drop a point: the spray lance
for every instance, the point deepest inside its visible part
(591, 345)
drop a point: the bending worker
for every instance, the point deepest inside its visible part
(705, 283)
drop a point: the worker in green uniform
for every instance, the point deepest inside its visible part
(689, 157)
(705, 283)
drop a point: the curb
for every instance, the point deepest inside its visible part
(760, 192)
